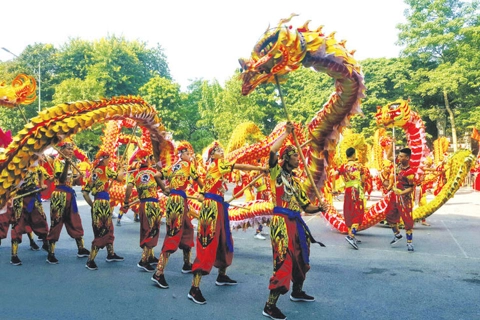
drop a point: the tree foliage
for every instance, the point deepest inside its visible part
(436, 42)
(165, 96)
(437, 70)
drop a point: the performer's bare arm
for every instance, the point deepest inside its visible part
(63, 176)
(199, 181)
(334, 173)
(399, 192)
(41, 181)
(121, 175)
(312, 209)
(278, 144)
(390, 182)
(161, 184)
(128, 193)
(86, 196)
(390, 154)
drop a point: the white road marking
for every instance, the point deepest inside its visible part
(451, 235)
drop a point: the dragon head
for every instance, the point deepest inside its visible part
(21, 91)
(393, 114)
(279, 51)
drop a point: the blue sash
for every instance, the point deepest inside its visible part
(65, 188)
(31, 203)
(219, 199)
(302, 229)
(102, 195)
(179, 193)
(148, 200)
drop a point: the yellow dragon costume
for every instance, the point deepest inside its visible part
(21, 91)
(284, 49)
(56, 123)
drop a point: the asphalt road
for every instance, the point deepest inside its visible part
(440, 280)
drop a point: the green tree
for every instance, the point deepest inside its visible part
(74, 89)
(122, 66)
(433, 38)
(386, 80)
(10, 118)
(28, 62)
(305, 93)
(222, 109)
(74, 58)
(165, 96)
(232, 108)
(207, 106)
(190, 126)
(43, 55)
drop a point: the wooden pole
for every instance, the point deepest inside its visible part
(246, 187)
(231, 205)
(124, 156)
(258, 177)
(305, 143)
(394, 160)
(26, 194)
(193, 214)
(297, 144)
(23, 114)
(71, 162)
(48, 161)
(133, 202)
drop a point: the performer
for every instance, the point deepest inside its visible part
(47, 163)
(28, 212)
(99, 185)
(63, 204)
(179, 227)
(386, 176)
(262, 193)
(240, 179)
(214, 239)
(426, 182)
(400, 203)
(6, 211)
(289, 234)
(441, 169)
(5, 214)
(476, 178)
(146, 180)
(354, 175)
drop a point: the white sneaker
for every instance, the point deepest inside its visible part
(259, 236)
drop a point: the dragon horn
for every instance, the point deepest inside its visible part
(268, 28)
(305, 25)
(282, 21)
(243, 63)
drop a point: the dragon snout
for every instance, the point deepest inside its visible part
(246, 89)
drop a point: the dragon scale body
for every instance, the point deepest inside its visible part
(55, 123)
(282, 50)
